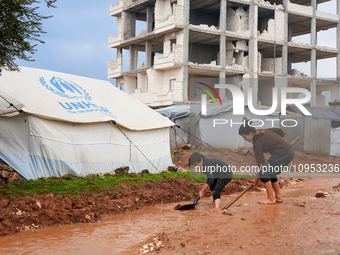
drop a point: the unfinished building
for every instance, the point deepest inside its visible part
(235, 40)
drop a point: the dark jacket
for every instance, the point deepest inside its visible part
(211, 163)
(269, 141)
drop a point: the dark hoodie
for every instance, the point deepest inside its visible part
(269, 141)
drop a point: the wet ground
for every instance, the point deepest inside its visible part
(303, 224)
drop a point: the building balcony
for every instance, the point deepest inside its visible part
(173, 58)
(115, 41)
(116, 10)
(175, 19)
(115, 68)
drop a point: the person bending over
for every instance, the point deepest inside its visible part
(268, 141)
(218, 175)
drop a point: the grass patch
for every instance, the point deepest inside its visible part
(96, 185)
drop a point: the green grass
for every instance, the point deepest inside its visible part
(96, 185)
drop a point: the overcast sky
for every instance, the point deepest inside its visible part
(77, 40)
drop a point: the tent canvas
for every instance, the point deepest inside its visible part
(65, 126)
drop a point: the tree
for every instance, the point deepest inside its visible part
(20, 29)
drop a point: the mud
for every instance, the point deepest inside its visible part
(36, 212)
(302, 224)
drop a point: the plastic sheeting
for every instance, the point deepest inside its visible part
(335, 142)
(318, 112)
(37, 147)
(222, 135)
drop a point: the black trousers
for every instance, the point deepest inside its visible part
(219, 185)
(273, 167)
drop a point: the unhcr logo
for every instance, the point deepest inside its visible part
(72, 91)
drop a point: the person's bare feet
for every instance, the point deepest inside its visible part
(279, 200)
(268, 201)
(217, 210)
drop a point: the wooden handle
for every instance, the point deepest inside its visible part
(235, 199)
(295, 140)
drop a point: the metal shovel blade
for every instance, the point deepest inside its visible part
(189, 206)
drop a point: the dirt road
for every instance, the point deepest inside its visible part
(303, 224)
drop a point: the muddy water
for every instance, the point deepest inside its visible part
(125, 234)
(121, 234)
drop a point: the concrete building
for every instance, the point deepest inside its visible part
(247, 42)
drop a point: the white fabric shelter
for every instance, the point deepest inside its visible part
(66, 128)
(335, 142)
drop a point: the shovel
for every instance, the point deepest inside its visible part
(188, 206)
(251, 185)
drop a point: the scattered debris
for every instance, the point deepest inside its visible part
(145, 171)
(336, 187)
(321, 194)
(7, 174)
(123, 170)
(154, 246)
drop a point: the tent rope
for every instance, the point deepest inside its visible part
(11, 105)
(136, 147)
(207, 144)
(185, 143)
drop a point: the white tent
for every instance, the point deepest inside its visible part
(64, 126)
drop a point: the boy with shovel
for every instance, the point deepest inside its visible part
(268, 141)
(218, 175)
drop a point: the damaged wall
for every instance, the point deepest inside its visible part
(267, 65)
(237, 19)
(267, 27)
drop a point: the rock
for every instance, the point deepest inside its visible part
(186, 147)
(183, 244)
(12, 177)
(320, 194)
(145, 171)
(180, 170)
(172, 169)
(123, 169)
(4, 167)
(110, 174)
(4, 174)
(88, 217)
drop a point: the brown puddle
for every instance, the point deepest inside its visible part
(120, 234)
(127, 233)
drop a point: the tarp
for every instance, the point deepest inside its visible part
(318, 112)
(222, 135)
(48, 139)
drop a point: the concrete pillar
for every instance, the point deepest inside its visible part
(149, 18)
(286, 37)
(253, 52)
(186, 51)
(338, 46)
(290, 31)
(313, 55)
(223, 28)
(148, 54)
(133, 57)
(129, 24)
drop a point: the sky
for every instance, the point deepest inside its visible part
(77, 40)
